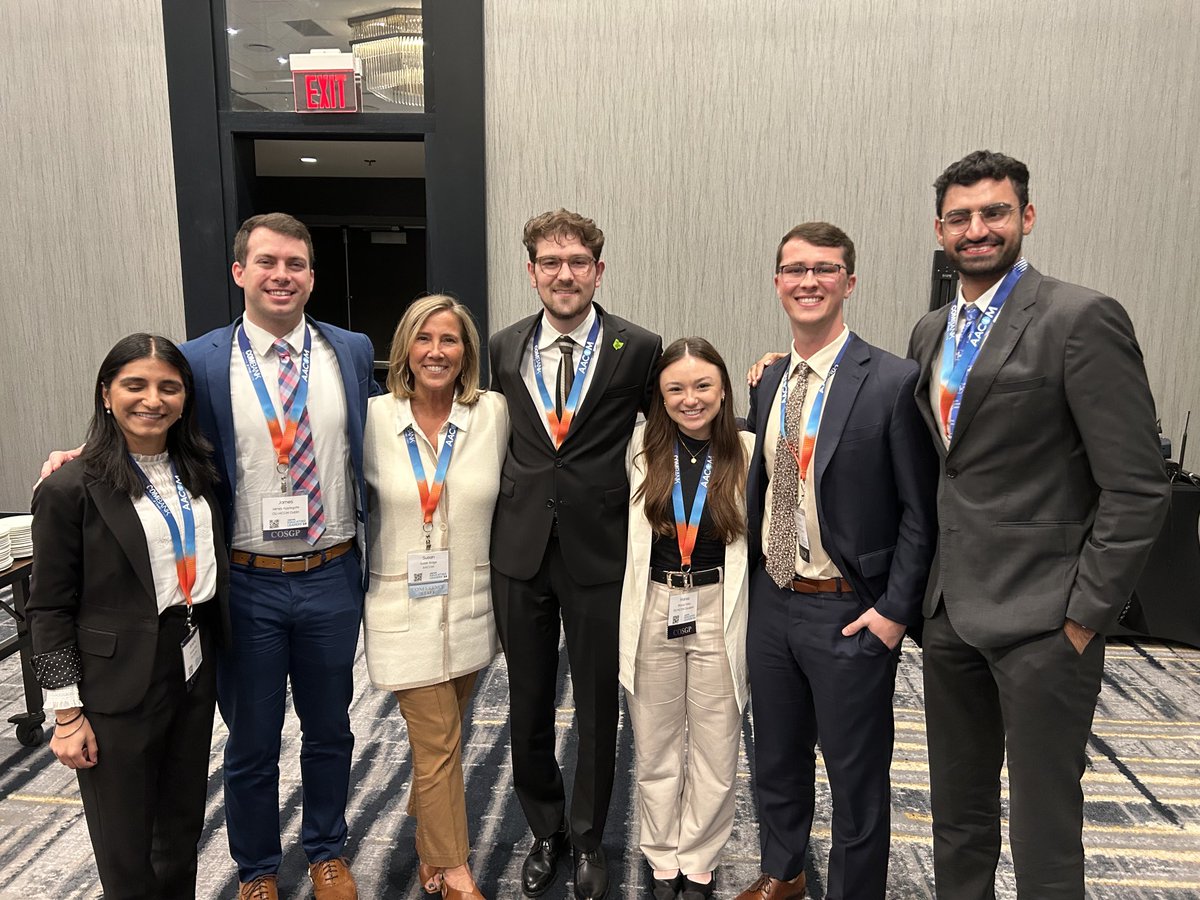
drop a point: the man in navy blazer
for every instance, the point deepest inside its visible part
(842, 529)
(296, 594)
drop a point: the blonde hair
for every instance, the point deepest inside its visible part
(400, 379)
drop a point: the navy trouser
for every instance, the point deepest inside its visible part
(303, 628)
(808, 682)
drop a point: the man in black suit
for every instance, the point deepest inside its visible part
(1052, 492)
(840, 501)
(575, 378)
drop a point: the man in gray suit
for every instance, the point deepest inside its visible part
(1052, 491)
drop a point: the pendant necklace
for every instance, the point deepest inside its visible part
(693, 454)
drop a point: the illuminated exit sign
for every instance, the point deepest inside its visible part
(326, 81)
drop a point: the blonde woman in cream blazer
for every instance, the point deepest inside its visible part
(428, 649)
(685, 696)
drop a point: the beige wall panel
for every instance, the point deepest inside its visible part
(697, 133)
(89, 242)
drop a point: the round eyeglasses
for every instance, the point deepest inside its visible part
(959, 220)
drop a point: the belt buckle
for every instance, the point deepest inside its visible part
(685, 580)
(299, 557)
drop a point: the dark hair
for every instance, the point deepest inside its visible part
(280, 223)
(562, 223)
(980, 165)
(106, 452)
(727, 489)
(820, 234)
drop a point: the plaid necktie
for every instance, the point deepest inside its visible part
(566, 373)
(785, 481)
(302, 465)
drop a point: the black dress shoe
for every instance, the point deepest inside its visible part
(694, 890)
(666, 888)
(541, 865)
(591, 874)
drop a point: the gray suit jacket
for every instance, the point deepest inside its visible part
(1053, 489)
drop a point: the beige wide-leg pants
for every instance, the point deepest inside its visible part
(687, 730)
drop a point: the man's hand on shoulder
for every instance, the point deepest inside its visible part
(754, 373)
(891, 633)
(1079, 635)
(56, 460)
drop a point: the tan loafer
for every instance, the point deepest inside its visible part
(264, 887)
(332, 880)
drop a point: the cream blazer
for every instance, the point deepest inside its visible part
(637, 581)
(413, 643)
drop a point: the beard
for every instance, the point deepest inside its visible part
(1009, 253)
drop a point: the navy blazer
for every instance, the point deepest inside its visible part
(209, 356)
(875, 477)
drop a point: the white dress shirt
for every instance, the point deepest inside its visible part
(551, 357)
(819, 565)
(982, 302)
(257, 476)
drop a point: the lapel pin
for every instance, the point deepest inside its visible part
(618, 343)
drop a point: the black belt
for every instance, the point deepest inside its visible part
(686, 580)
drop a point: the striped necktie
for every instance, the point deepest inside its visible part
(302, 465)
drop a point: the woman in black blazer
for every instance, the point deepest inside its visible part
(127, 601)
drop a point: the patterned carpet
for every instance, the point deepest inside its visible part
(1142, 832)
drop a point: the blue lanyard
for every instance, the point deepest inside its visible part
(809, 440)
(430, 494)
(282, 438)
(958, 358)
(184, 545)
(560, 427)
(687, 528)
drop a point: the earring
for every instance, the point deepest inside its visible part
(108, 411)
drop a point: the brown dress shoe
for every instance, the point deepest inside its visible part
(769, 888)
(332, 880)
(261, 888)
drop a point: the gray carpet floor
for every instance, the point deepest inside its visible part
(1142, 832)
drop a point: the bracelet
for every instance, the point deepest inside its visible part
(69, 733)
(70, 720)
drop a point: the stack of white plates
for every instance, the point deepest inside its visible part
(19, 538)
(6, 559)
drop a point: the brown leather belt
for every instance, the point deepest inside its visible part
(290, 565)
(802, 585)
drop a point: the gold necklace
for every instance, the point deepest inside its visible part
(694, 453)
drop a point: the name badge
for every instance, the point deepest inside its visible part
(802, 533)
(193, 655)
(428, 573)
(284, 516)
(681, 613)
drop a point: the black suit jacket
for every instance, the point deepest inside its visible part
(583, 482)
(875, 478)
(92, 587)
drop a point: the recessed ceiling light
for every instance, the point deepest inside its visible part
(308, 159)
(232, 31)
(282, 60)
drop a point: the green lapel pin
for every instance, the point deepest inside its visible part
(618, 343)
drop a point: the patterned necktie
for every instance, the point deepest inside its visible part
(971, 311)
(566, 373)
(302, 465)
(785, 481)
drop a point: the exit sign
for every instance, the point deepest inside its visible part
(325, 82)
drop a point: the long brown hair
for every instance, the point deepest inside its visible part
(727, 489)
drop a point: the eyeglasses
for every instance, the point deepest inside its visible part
(959, 220)
(550, 265)
(822, 271)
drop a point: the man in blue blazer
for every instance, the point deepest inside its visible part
(283, 400)
(842, 529)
